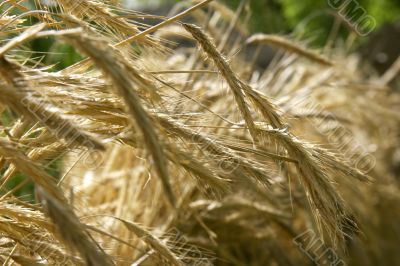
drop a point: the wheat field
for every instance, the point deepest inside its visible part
(168, 144)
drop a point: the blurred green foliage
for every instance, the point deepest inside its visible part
(25, 192)
(313, 19)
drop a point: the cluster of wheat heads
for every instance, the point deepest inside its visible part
(190, 154)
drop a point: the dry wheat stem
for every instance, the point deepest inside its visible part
(164, 23)
(290, 46)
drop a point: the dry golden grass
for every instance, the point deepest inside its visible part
(190, 156)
